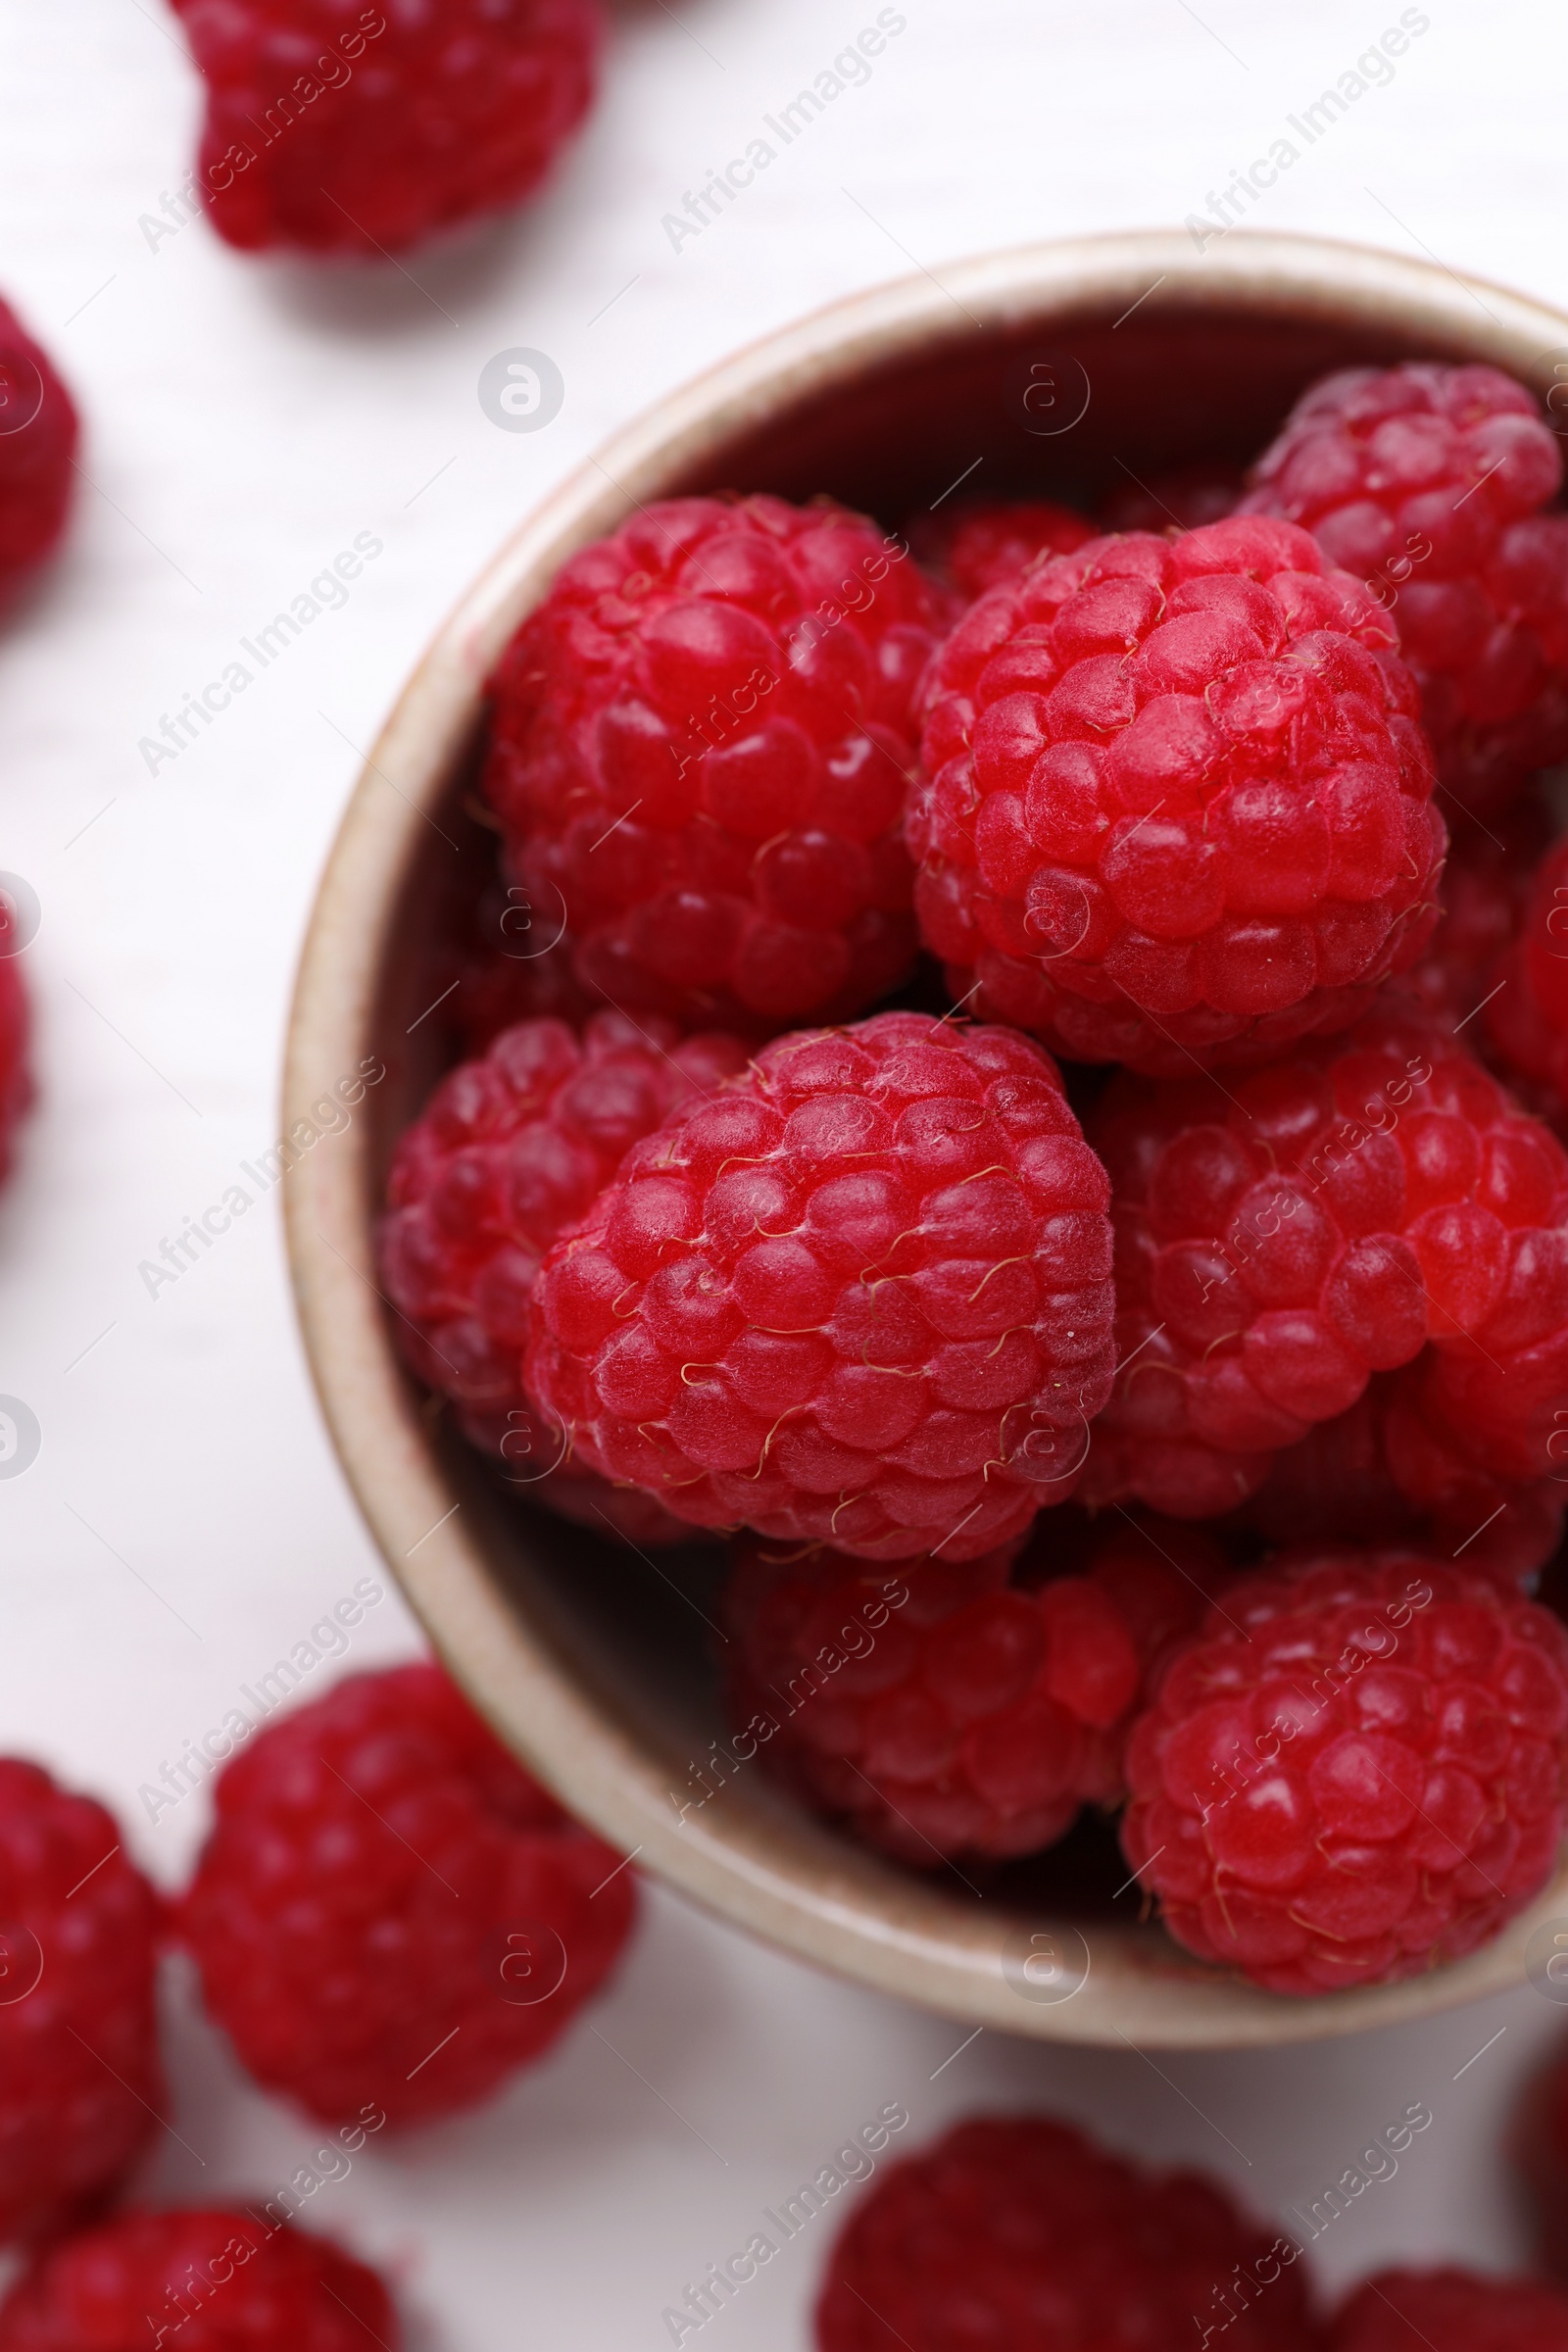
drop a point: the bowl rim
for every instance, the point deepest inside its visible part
(897, 1938)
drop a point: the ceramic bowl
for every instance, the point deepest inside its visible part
(1058, 368)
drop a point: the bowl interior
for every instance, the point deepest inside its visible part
(1067, 399)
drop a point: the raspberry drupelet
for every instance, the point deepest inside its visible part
(982, 542)
(860, 1299)
(1354, 1771)
(510, 1150)
(700, 749)
(38, 435)
(1018, 2230)
(1451, 2310)
(1527, 1019)
(947, 1711)
(355, 133)
(1283, 1237)
(210, 2279)
(80, 2084)
(384, 1881)
(1177, 805)
(1428, 482)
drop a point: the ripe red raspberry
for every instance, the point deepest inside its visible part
(80, 2077)
(1019, 2230)
(700, 749)
(1282, 1237)
(1177, 805)
(946, 1711)
(1485, 895)
(509, 1152)
(982, 542)
(862, 1297)
(37, 442)
(1527, 1019)
(211, 2280)
(1185, 499)
(16, 1024)
(1341, 1483)
(390, 1915)
(1354, 1770)
(1451, 2310)
(1427, 482)
(337, 130)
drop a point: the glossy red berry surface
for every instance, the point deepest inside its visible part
(1177, 804)
(511, 1150)
(980, 543)
(80, 2086)
(861, 1298)
(1014, 2231)
(1452, 2311)
(1428, 482)
(1527, 1018)
(390, 1916)
(1283, 1237)
(1355, 1771)
(38, 436)
(210, 2280)
(952, 1711)
(699, 754)
(337, 129)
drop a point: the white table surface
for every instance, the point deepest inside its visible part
(185, 1519)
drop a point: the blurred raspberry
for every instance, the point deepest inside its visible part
(16, 1025)
(1539, 2141)
(1337, 1486)
(1428, 482)
(862, 1297)
(1451, 2310)
(1486, 891)
(508, 970)
(1354, 1771)
(1176, 805)
(79, 2079)
(1018, 2232)
(509, 1152)
(699, 749)
(38, 435)
(1527, 1019)
(1281, 1239)
(213, 2278)
(946, 1711)
(982, 542)
(1184, 499)
(390, 1916)
(358, 134)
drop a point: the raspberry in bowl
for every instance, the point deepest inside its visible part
(601, 1662)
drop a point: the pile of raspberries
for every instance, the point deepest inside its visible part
(988, 1091)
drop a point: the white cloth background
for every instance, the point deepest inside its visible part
(184, 1520)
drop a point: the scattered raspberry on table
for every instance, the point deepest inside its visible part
(979, 543)
(1451, 2310)
(1019, 2230)
(952, 1711)
(210, 2279)
(344, 130)
(1428, 482)
(80, 2086)
(38, 435)
(1176, 805)
(861, 1298)
(510, 1150)
(1354, 1771)
(700, 748)
(390, 1916)
(1281, 1236)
